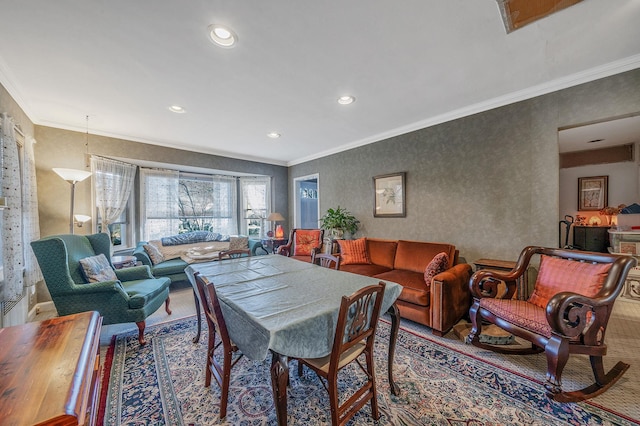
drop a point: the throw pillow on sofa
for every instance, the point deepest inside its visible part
(354, 251)
(154, 254)
(97, 269)
(238, 243)
(439, 263)
(306, 241)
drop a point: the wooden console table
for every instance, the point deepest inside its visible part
(50, 371)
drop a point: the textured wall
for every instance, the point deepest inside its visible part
(488, 183)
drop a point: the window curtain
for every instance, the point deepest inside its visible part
(11, 217)
(255, 201)
(225, 204)
(112, 184)
(159, 203)
(30, 218)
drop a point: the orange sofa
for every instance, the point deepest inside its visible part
(439, 304)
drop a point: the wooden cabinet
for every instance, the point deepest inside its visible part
(591, 238)
(50, 371)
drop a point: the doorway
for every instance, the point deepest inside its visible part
(306, 208)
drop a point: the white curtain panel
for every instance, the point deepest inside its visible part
(11, 217)
(255, 201)
(225, 205)
(112, 184)
(159, 210)
(30, 218)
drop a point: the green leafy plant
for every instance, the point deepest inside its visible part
(339, 220)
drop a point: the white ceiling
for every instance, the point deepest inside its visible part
(409, 63)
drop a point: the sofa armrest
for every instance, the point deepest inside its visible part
(135, 273)
(141, 254)
(450, 297)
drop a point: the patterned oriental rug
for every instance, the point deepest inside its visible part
(163, 384)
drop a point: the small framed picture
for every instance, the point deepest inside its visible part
(389, 195)
(593, 193)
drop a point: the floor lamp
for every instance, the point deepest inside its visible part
(72, 176)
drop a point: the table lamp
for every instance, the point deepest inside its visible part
(277, 217)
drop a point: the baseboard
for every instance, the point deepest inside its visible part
(41, 307)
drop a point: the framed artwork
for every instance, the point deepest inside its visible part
(389, 195)
(593, 193)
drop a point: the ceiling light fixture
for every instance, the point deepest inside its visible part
(177, 109)
(596, 140)
(222, 36)
(346, 100)
(273, 135)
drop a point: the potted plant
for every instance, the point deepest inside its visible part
(338, 221)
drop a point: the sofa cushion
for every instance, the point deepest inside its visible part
(439, 263)
(415, 256)
(306, 240)
(97, 269)
(414, 290)
(153, 253)
(364, 269)
(142, 291)
(169, 267)
(557, 275)
(382, 252)
(353, 251)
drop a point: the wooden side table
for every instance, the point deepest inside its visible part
(272, 244)
(522, 289)
(120, 262)
(51, 371)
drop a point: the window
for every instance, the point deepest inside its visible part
(176, 202)
(256, 193)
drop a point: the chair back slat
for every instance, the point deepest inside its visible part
(326, 260)
(233, 254)
(357, 319)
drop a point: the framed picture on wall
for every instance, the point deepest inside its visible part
(593, 193)
(389, 195)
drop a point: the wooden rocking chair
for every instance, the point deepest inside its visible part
(567, 313)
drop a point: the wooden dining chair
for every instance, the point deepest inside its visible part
(355, 335)
(232, 254)
(325, 260)
(217, 326)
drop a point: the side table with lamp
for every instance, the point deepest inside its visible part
(275, 238)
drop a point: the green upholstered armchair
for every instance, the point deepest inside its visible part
(132, 298)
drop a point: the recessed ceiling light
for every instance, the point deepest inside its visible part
(596, 140)
(177, 109)
(346, 100)
(222, 36)
(273, 135)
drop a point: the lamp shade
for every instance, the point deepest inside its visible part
(72, 175)
(275, 217)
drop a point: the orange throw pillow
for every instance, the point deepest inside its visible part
(558, 275)
(353, 251)
(306, 241)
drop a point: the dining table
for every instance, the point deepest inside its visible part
(288, 308)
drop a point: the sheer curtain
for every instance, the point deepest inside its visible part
(11, 217)
(255, 204)
(225, 205)
(30, 218)
(159, 203)
(112, 184)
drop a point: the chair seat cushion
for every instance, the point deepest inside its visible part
(142, 291)
(169, 267)
(414, 289)
(519, 313)
(346, 357)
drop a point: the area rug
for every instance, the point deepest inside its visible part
(162, 383)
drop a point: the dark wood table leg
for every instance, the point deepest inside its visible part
(279, 379)
(395, 326)
(195, 297)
